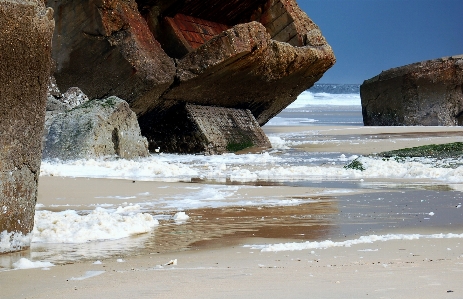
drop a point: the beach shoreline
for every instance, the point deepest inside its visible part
(204, 256)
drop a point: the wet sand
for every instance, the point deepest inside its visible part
(394, 269)
(368, 140)
(211, 259)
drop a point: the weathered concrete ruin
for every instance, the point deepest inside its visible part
(428, 93)
(210, 130)
(25, 50)
(163, 55)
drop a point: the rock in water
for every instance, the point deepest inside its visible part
(25, 50)
(428, 93)
(244, 54)
(95, 129)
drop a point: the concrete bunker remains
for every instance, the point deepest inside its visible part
(156, 54)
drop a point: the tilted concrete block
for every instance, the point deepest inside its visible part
(210, 130)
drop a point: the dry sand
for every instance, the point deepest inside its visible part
(425, 268)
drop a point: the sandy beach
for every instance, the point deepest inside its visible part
(394, 269)
(358, 237)
(186, 149)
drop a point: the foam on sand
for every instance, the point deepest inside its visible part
(154, 167)
(13, 241)
(24, 263)
(251, 167)
(411, 168)
(348, 243)
(180, 217)
(101, 224)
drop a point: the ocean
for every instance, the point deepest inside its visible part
(323, 104)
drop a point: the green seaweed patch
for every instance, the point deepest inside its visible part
(105, 103)
(87, 104)
(237, 146)
(108, 102)
(356, 165)
(448, 150)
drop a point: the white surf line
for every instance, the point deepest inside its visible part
(348, 243)
(243, 169)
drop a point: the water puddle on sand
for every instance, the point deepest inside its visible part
(330, 217)
(206, 227)
(228, 226)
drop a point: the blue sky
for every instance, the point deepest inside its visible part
(369, 36)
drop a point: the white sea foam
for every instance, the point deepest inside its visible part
(278, 142)
(220, 196)
(24, 263)
(250, 167)
(348, 243)
(101, 224)
(13, 241)
(180, 217)
(421, 168)
(208, 196)
(153, 166)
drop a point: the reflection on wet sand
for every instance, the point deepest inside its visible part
(227, 226)
(229, 182)
(319, 218)
(210, 227)
(401, 209)
(67, 253)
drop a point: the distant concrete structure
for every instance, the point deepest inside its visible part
(428, 93)
(25, 50)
